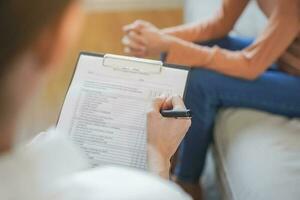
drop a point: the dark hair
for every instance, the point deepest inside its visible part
(20, 23)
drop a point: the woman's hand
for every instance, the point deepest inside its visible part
(164, 134)
(144, 39)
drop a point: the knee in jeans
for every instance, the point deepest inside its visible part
(202, 80)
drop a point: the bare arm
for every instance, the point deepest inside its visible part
(217, 26)
(282, 29)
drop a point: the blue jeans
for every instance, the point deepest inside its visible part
(208, 91)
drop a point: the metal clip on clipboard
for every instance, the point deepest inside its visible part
(134, 65)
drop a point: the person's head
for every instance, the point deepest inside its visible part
(34, 38)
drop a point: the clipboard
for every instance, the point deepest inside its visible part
(109, 58)
(115, 64)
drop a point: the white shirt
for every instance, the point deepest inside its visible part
(53, 169)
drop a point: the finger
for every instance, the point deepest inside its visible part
(178, 103)
(138, 38)
(174, 102)
(131, 52)
(168, 104)
(128, 28)
(157, 103)
(132, 44)
(138, 25)
(135, 53)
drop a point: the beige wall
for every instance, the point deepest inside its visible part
(132, 4)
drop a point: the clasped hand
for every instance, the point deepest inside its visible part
(144, 39)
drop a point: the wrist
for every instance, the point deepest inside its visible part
(157, 163)
(167, 43)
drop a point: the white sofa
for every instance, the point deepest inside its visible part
(257, 154)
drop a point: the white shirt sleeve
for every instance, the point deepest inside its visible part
(114, 183)
(107, 183)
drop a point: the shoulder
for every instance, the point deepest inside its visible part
(117, 183)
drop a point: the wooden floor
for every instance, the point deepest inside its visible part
(102, 33)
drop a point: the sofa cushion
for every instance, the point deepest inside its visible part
(259, 154)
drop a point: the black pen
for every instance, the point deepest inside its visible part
(176, 113)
